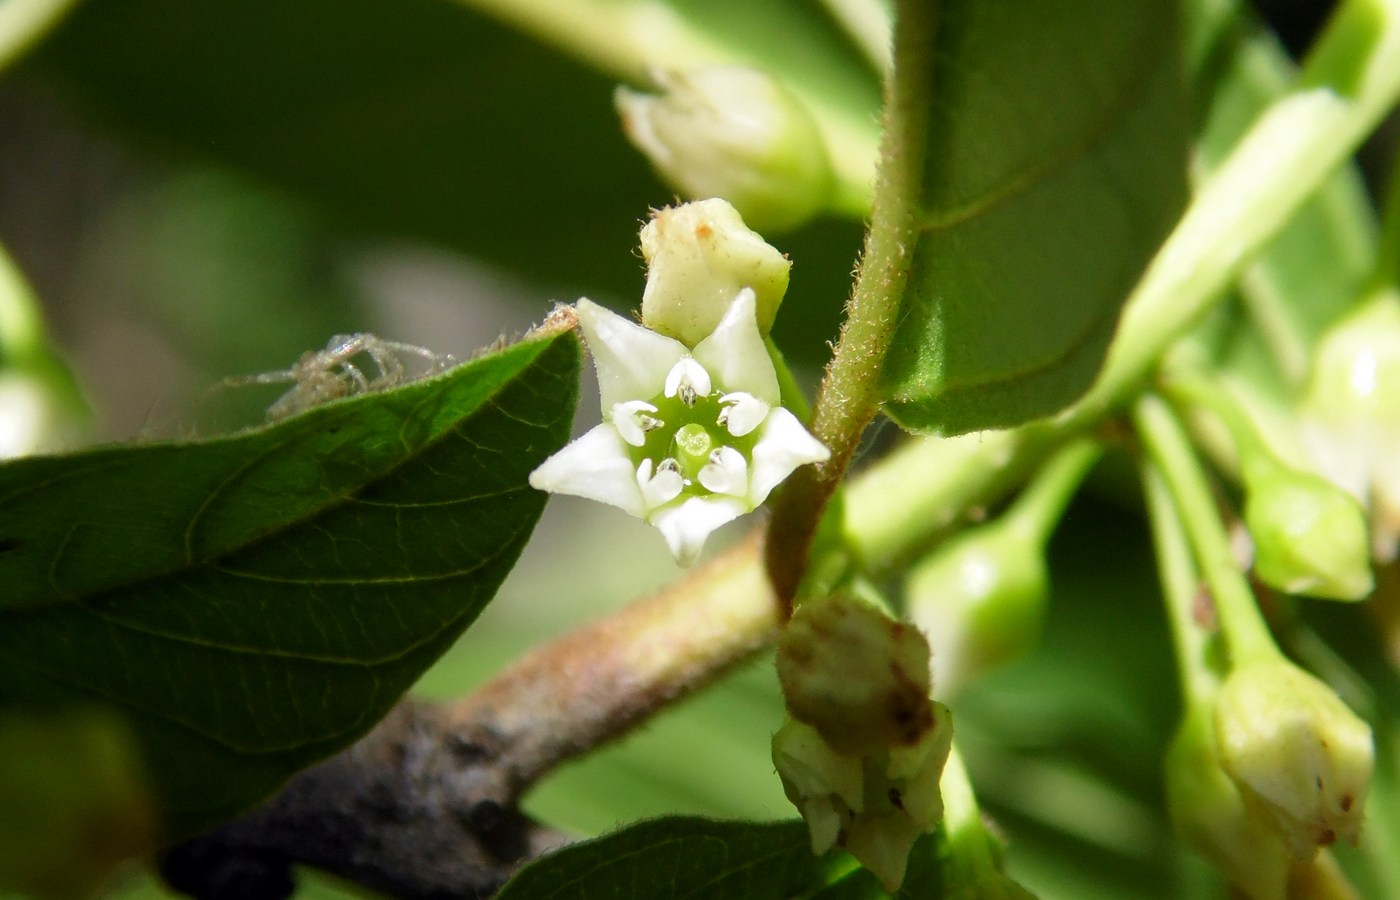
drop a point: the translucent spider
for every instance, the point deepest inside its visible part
(320, 376)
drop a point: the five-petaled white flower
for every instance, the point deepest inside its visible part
(690, 438)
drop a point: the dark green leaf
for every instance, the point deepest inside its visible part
(256, 602)
(678, 857)
(1055, 165)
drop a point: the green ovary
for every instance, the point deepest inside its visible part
(689, 434)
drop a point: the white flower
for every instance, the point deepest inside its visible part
(690, 438)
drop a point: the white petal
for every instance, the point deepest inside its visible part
(727, 472)
(688, 375)
(736, 355)
(627, 419)
(687, 525)
(743, 412)
(631, 361)
(660, 488)
(782, 447)
(595, 466)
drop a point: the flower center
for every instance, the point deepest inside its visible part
(690, 430)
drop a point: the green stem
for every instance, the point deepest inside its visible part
(867, 24)
(849, 396)
(1348, 83)
(1181, 586)
(968, 840)
(1254, 455)
(1040, 506)
(1387, 272)
(24, 22)
(1169, 449)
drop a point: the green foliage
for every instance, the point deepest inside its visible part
(679, 857)
(250, 604)
(1056, 162)
(253, 603)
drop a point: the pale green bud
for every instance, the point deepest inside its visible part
(857, 676)
(1310, 536)
(1350, 413)
(980, 600)
(732, 132)
(1300, 758)
(1209, 814)
(699, 257)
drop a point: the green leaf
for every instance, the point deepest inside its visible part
(678, 857)
(256, 602)
(1055, 165)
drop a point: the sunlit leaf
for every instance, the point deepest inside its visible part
(1055, 164)
(256, 602)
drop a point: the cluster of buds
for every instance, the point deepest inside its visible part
(1266, 775)
(865, 748)
(693, 433)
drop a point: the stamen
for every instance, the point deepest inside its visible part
(688, 380)
(742, 413)
(632, 422)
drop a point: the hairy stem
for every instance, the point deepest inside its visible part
(589, 686)
(849, 395)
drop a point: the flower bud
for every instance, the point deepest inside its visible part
(1309, 535)
(874, 805)
(1300, 758)
(857, 676)
(980, 600)
(1209, 815)
(1350, 413)
(732, 132)
(699, 256)
(864, 752)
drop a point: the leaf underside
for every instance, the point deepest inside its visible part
(1055, 164)
(679, 856)
(256, 602)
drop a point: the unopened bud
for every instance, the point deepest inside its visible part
(857, 676)
(732, 132)
(1209, 814)
(699, 256)
(876, 805)
(1300, 758)
(864, 753)
(1310, 536)
(980, 600)
(1350, 414)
